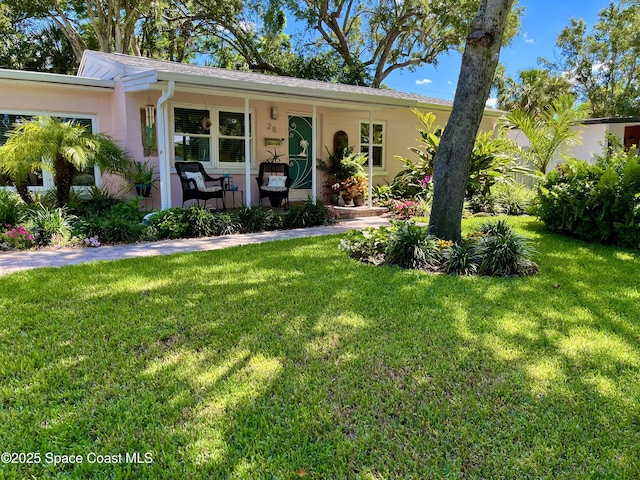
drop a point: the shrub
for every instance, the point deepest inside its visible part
(168, 224)
(121, 224)
(410, 246)
(308, 215)
(99, 202)
(224, 224)
(200, 222)
(369, 245)
(257, 219)
(594, 202)
(50, 225)
(11, 212)
(511, 199)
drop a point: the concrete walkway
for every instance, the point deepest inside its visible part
(24, 260)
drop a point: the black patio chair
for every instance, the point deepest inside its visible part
(277, 190)
(192, 178)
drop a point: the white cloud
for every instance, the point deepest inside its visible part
(492, 102)
(527, 39)
(424, 81)
(449, 82)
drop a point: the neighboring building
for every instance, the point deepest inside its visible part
(594, 138)
(165, 111)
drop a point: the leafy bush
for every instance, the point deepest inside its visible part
(224, 224)
(120, 224)
(594, 202)
(100, 201)
(200, 221)
(257, 219)
(168, 224)
(410, 246)
(369, 245)
(308, 215)
(50, 225)
(11, 212)
(511, 199)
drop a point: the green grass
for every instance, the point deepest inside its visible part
(290, 360)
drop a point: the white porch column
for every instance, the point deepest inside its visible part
(314, 156)
(370, 182)
(164, 146)
(247, 153)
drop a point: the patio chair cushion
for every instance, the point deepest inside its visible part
(277, 181)
(273, 189)
(199, 179)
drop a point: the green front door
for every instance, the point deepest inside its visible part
(300, 148)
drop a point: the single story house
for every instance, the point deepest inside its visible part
(231, 121)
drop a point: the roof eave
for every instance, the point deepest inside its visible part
(54, 79)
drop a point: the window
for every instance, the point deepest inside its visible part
(192, 135)
(378, 142)
(196, 136)
(231, 137)
(86, 177)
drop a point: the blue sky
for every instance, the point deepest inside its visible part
(543, 20)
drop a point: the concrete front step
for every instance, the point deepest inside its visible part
(360, 212)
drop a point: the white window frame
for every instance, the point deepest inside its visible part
(214, 162)
(47, 178)
(380, 145)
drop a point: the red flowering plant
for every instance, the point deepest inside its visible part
(18, 237)
(332, 185)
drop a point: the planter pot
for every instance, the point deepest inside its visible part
(358, 201)
(334, 198)
(143, 189)
(347, 200)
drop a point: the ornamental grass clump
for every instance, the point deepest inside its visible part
(410, 246)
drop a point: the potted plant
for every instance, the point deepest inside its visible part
(355, 188)
(141, 177)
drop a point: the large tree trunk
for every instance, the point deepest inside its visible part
(452, 161)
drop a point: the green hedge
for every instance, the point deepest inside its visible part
(599, 203)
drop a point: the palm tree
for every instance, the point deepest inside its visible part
(49, 143)
(549, 132)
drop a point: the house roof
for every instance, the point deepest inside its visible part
(139, 73)
(598, 121)
(54, 79)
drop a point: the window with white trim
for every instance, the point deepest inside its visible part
(43, 180)
(219, 142)
(378, 142)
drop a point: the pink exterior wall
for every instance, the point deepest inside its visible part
(117, 113)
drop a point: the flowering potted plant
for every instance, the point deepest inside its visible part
(332, 186)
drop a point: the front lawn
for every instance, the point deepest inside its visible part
(291, 360)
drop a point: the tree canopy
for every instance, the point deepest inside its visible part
(603, 62)
(532, 90)
(350, 41)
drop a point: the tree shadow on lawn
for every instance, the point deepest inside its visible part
(350, 371)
